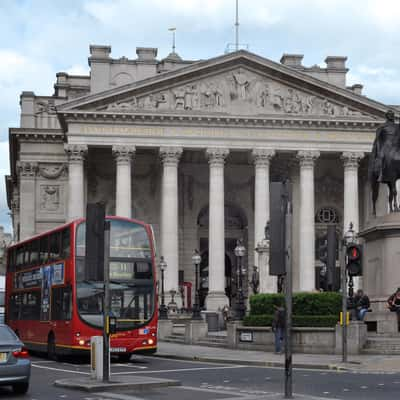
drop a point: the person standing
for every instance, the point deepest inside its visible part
(278, 327)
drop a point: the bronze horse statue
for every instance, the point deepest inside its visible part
(384, 163)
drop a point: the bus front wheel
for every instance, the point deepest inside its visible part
(51, 347)
(124, 358)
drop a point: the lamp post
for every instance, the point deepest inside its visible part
(163, 310)
(196, 260)
(240, 251)
(348, 238)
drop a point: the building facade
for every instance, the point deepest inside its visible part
(191, 147)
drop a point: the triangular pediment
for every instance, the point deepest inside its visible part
(238, 84)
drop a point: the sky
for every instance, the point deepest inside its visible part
(39, 38)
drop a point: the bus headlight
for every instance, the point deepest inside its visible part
(151, 341)
(81, 342)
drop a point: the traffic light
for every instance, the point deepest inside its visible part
(354, 260)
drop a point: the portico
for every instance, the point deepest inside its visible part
(192, 150)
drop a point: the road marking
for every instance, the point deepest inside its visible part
(60, 369)
(42, 362)
(118, 396)
(180, 370)
(129, 366)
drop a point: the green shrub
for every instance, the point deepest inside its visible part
(325, 303)
(298, 320)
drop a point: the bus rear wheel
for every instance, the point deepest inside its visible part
(51, 348)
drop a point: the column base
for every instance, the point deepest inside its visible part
(215, 301)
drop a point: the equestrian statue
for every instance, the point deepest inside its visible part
(384, 164)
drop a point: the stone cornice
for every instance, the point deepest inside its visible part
(37, 135)
(287, 122)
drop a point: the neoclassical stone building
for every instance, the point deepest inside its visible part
(191, 147)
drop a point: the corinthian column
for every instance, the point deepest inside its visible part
(307, 229)
(169, 215)
(27, 189)
(76, 190)
(351, 213)
(262, 158)
(123, 157)
(216, 297)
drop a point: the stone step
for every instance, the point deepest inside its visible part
(211, 344)
(380, 351)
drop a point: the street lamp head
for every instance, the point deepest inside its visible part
(196, 258)
(240, 250)
(163, 264)
(350, 235)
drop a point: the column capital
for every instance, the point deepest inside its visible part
(351, 158)
(217, 155)
(307, 157)
(170, 155)
(76, 152)
(27, 169)
(262, 157)
(123, 154)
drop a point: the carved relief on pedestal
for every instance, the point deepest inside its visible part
(50, 198)
(238, 91)
(45, 106)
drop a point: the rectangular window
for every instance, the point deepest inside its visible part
(20, 258)
(54, 246)
(34, 253)
(44, 250)
(61, 304)
(30, 306)
(65, 244)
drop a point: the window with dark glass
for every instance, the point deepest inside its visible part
(65, 244)
(44, 249)
(20, 257)
(34, 259)
(61, 303)
(30, 305)
(54, 246)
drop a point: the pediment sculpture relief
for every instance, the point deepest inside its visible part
(237, 92)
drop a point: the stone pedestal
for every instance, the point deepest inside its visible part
(268, 283)
(356, 337)
(381, 256)
(164, 328)
(195, 330)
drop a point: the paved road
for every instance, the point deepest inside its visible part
(207, 381)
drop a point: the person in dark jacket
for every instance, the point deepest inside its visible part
(394, 302)
(361, 303)
(278, 327)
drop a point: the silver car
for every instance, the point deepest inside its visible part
(15, 365)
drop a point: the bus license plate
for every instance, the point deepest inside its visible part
(3, 357)
(118, 349)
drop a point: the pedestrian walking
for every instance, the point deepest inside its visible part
(278, 327)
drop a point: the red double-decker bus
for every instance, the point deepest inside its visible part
(53, 306)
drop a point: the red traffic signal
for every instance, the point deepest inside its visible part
(354, 260)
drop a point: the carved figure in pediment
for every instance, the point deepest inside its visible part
(157, 99)
(264, 96)
(207, 95)
(179, 95)
(242, 83)
(190, 98)
(306, 104)
(292, 102)
(218, 97)
(328, 108)
(277, 100)
(123, 106)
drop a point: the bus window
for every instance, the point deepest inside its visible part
(44, 249)
(61, 303)
(54, 246)
(30, 308)
(65, 244)
(20, 258)
(34, 253)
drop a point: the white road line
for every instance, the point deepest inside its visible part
(179, 370)
(42, 362)
(118, 396)
(185, 361)
(129, 366)
(61, 370)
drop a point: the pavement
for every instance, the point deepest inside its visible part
(357, 363)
